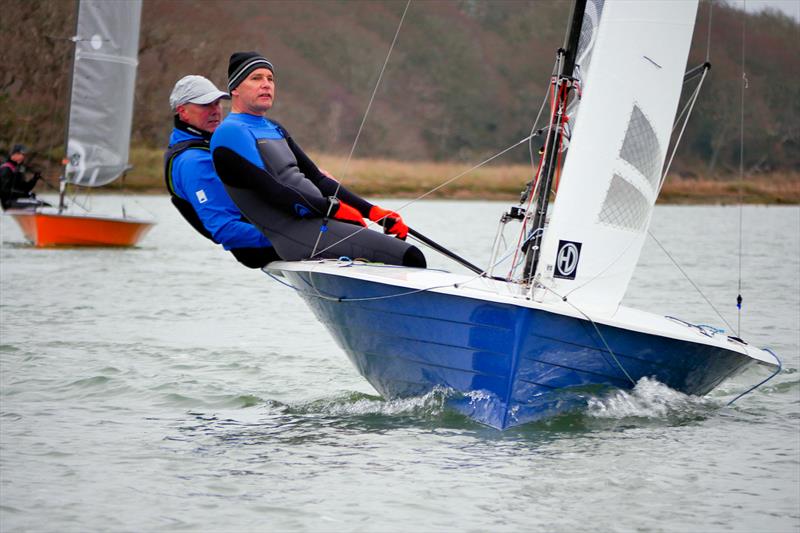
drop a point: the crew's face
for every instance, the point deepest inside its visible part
(18, 157)
(205, 117)
(256, 93)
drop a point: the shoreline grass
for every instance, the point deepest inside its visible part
(374, 177)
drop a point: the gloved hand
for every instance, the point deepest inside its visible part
(346, 213)
(391, 221)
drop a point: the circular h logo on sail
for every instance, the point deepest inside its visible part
(567, 257)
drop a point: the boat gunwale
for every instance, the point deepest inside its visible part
(81, 216)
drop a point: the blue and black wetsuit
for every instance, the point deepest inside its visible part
(199, 195)
(282, 192)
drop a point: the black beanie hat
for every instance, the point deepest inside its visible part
(243, 63)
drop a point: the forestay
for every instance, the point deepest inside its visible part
(101, 101)
(612, 173)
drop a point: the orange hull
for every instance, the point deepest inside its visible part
(46, 229)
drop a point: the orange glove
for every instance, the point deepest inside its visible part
(391, 221)
(348, 213)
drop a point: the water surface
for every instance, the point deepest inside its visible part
(167, 388)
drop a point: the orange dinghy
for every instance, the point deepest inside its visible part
(98, 130)
(64, 229)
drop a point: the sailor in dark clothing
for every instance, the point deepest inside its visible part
(195, 188)
(302, 210)
(15, 190)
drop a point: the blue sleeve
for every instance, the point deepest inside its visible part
(239, 140)
(194, 180)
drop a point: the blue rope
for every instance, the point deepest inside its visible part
(754, 387)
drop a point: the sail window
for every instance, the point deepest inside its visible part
(591, 21)
(625, 206)
(641, 148)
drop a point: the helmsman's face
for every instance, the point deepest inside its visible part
(256, 93)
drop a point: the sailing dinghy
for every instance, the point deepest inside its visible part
(529, 345)
(98, 129)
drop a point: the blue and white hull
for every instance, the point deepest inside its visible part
(513, 360)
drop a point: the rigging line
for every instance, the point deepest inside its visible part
(322, 296)
(708, 32)
(674, 262)
(683, 128)
(687, 104)
(372, 97)
(539, 114)
(757, 385)
(428, 193)
(602, 338)
(741, 170)
(361, 127)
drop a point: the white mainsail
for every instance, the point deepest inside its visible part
(612, 173)
(101, 99)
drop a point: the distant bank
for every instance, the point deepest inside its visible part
(388, 178)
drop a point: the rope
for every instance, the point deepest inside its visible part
(361, 127)
(708, 32)
(754, 387)
(692, 101)
(741, 170)
(599, 333)
(369, 298)
(685, 275)
(428, 193)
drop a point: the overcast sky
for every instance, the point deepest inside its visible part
(790, 7)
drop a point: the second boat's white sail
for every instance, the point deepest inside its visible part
(101, 99)
(612, 172)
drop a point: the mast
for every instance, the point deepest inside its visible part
(62, 182)
(562, 85)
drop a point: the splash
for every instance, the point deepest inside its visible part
(431, 404)
(648, 399)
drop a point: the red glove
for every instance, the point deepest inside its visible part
(391, 221)
(348, 213)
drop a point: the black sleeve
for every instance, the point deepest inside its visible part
(27, 186)
(323, 182)
(236, 171)
(6, 181)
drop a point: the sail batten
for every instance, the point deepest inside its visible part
(631, 80)
(101, 99)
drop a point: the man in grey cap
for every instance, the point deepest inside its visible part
(194, 186)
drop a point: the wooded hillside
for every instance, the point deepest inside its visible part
(465, 80)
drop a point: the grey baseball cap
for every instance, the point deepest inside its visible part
(194, 89)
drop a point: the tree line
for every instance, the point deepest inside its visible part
(465, 79)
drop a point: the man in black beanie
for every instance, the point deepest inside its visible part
(303, 211)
